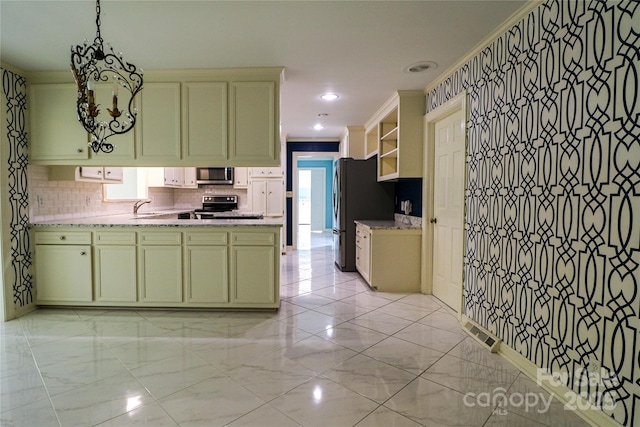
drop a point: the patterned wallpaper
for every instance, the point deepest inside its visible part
(552, 258)
(14, 88)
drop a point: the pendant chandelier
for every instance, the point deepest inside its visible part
(91, 65)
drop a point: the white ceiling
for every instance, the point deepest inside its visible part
(354, 48)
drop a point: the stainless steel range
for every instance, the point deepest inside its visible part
(223, 207)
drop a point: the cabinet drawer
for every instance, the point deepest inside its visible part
(160, 238)
(63, 237)
(258, 238)
(115, 238)
(209, 238)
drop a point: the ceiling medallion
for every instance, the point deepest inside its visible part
(91, 65)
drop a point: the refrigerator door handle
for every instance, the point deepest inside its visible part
(336, 231)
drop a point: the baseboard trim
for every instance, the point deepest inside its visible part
(594, 416)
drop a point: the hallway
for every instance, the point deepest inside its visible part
(335, 354)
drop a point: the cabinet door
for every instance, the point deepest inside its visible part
(113, 174)
(189, 178)
(257, 190)
(159, 121)
(240, 177)
(274, 198)
(63, 273)
(365, 254)
(206, 274)
(91, 172)
(173, 177)
(266, 172)
(253, 126)
(55, 132)
(124, 146)
(205, 134)
(253, 274)
(115, 273)
(160, 274)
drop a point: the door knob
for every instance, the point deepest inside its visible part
(433, 220)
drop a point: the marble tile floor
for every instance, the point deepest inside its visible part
(335, 354)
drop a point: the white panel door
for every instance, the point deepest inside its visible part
(448, 209)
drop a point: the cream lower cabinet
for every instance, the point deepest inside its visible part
(216, 267)
(63, 267)
(114, 267)
(389, 258)
(254, 267)
(363, 250)
(206, 272)
(160, 266)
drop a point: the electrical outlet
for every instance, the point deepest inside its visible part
(40, 200)
(87, 200)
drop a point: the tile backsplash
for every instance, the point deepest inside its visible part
(50, 200)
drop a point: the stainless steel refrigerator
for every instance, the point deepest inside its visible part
(356, 195)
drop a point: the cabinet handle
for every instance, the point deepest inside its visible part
(80, 150)
(99, 172)
(63, 238)
(109, 173)
(433, 220)
(83, 253)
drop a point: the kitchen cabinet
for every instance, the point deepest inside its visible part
(363, 250)
(205, 112)
(173, 177)
(206, 273)
(55, 132)
(257, 284)
(158, 124)
(160, 266)
(114, 267)
(63, 267)
(191, 266)
(209, 117)
(253, 123)
(397, 130)
(99, 174)
(240, 177)
(269, 172)
(352, 142)
(389, 258)
(266, 195)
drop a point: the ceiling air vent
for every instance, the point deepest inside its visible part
(484, 337)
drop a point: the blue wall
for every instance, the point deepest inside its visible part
(327, 165)
(308, 147)
(409, 189)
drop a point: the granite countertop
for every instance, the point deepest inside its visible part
(164, 218)
(387, 224)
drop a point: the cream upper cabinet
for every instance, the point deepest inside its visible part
(397, 130)
(253, 132)
(55, 132)
(240, 177)
(99, 174)
(205, 113)
(189, 178)
(267, 172)
(210, 117)
(159, 123)
(352, 142)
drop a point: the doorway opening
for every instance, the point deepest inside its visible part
(312, 202)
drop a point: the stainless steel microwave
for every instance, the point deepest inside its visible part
(214, 176)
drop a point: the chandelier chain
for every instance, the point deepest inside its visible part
(98, 35)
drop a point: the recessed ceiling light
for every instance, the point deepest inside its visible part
(419, 67)
(318, 126)
(329, 96)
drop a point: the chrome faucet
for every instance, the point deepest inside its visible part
(139, 203)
